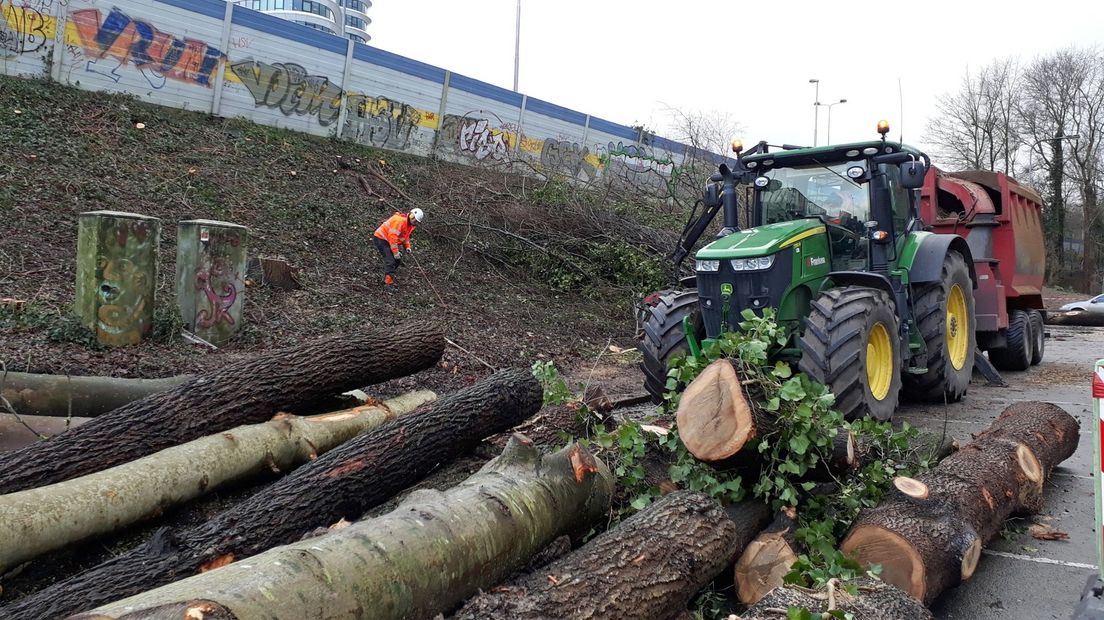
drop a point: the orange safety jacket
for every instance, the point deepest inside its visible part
(396, 231)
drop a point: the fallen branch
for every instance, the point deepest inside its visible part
(36, 521)
(429, 554)
(243, 392)
(1077, 318)
(472, 355)
(340, 484)
(83, 397)
(875, 600)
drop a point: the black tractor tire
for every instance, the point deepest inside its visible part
(942, 382)
(661, 336)
(835, 344)
(1016, 354)
(1038, 336)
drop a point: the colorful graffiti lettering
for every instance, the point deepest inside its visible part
(479, 134)
(119, 39)
(125, 288)
(219, 303)
(290, 88)
(23, 29)
(379, 121)
(568, 158)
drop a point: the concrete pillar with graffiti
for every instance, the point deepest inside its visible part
(117, 275)
(210, 277)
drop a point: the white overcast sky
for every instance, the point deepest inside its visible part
(627, 61)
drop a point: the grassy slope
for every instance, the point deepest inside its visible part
(67, 151)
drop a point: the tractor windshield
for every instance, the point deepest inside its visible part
(814, 191)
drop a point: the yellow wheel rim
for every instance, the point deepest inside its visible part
(958, 326)
(879, 361)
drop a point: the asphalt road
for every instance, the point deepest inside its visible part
(1020, 577)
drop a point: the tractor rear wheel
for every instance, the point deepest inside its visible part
(1038, 336)
(851, 345)
(945, 317)
(1016, 354)
(662, 337)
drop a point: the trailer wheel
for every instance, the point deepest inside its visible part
(851, 345)
(661, 336)
(1016, 354)
(1038, 336)
(944, 314)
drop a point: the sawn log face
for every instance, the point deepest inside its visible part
(342, 483)
(243, 392)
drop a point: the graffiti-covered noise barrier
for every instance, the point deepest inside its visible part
(213, 56)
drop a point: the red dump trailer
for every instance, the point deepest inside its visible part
(1001, 221)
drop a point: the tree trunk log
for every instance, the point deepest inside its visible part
(1076, 318)
(875, 600)
(340, 484)
(431, 553)
(14, 435)
(83, 397)
(716, 419)
(36, 521)
(648, 567)
(243, 392)
(767, 559)
(927, 533)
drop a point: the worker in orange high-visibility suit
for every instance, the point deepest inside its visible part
(391, 239)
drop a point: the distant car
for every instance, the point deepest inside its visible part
(1096, 304)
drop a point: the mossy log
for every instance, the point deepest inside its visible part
(875, 600)
(648, 567)
(36, 521)
(431, 553)
(82, 397)
(341, 484)
(24, 430)
(243, 392)
(928, 531)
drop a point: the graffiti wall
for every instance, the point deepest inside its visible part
(215, 57)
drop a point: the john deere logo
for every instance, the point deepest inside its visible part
(726, 289)
(814, 261)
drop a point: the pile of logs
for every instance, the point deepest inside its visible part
(322, 538)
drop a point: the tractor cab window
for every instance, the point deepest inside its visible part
(899, 196)
(826, 193)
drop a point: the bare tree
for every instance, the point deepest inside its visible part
(1087, 116)
(978, 126)
(709, 130)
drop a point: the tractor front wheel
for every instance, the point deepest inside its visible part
(945, 317)
(851, 344)
(661, 335)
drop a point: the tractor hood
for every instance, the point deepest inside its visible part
(762, 240)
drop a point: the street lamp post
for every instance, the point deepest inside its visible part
(829, 106)
(517, 45)
(816, 109)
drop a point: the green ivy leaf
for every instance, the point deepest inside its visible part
(782, 370)
(799, 444)
(792, 390)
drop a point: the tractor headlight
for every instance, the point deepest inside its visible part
(752, 264)
(708, 265)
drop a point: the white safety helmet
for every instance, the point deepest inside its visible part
(418, 214)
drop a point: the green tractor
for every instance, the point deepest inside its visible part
(874, 304)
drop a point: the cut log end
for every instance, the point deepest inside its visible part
(970, 559)
(852, 457)
(762, 567)
(911, 487)
(901, 564)
(1029, 463)
(714, 417)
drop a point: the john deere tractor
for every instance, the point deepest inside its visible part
(873, 303)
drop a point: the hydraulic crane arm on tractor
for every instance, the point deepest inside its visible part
(875, 302)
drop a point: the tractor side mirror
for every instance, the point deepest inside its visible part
(712, 196)
(912, 174)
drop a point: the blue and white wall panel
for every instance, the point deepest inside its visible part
(481, 123)
(553, 140)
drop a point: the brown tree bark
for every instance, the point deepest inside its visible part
(83, 397)
(927, 533)
(243, 392)
(766, 560)
(423, 558)
(1076, 318)
(340, 484)
(716, 419)
(24, 430)
(875, 600)
(649, 566)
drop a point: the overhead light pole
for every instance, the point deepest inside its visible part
(828, 140)
(517, 45)
(816, 108)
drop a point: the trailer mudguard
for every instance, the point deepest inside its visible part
(926, 264)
